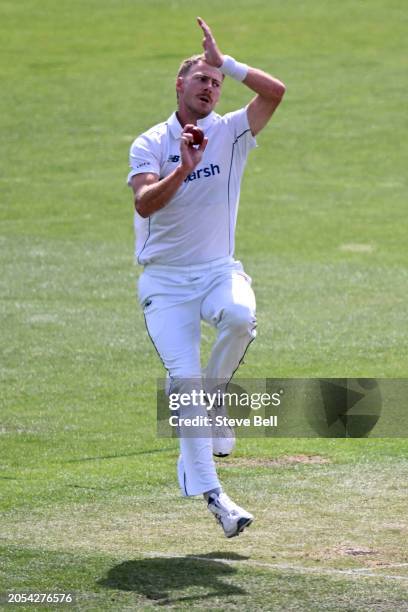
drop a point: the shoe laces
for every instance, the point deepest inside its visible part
(225, 504)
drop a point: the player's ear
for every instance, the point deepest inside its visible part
(179, 84)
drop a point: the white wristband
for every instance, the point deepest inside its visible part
(234, 69)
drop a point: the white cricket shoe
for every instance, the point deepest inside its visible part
(223, 436)
(231, 517)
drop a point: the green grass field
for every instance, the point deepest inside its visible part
(89, 499)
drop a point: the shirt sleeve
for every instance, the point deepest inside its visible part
(144, 156)
(238, 123)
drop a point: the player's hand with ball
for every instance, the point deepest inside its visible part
(192, 146)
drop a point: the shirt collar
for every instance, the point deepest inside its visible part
(177, 130)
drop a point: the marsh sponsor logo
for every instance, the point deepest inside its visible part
(203, 172)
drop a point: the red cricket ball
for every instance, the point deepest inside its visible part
(198, 134)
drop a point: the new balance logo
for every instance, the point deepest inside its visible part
(174, 158)
(207, 171)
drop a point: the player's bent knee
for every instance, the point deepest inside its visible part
(240, 319)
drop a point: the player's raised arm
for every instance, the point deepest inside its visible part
(269, 90)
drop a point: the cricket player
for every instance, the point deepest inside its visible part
(186, 203)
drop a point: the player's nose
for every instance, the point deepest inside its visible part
(208, 86)
(208, 90)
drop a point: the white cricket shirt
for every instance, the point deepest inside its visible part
(198, 224)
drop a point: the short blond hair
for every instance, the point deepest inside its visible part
(187, 64)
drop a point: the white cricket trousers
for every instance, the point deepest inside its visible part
(174, 300)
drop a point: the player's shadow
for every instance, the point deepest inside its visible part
(166, 580)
